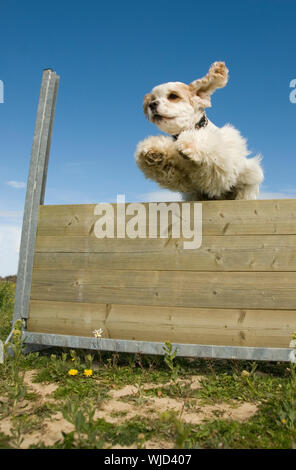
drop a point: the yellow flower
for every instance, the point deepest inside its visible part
(284, 421)
(73, 372)
(88, 372)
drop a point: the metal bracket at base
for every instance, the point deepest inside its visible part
(146, 347)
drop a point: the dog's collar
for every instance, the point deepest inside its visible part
(203, 122)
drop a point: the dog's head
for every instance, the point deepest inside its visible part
(175, 106)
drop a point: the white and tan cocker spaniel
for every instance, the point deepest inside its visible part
(198, 159)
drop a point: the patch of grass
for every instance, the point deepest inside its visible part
(34, 360)
(171, 427)
(260, 432)
(81, 388)
(272, 386)
(15, 386)
(173, 390)
(125, 375)
(47, 409)
(7, 293)
(169, 358)
(56, 368)
(227, 387)
(118, 414)
(28, 422)
(4, 441)
(94, 434)
(128, 432)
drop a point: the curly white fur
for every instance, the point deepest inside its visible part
(203, 163)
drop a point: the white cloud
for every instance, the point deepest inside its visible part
(11, 214)
(16, 184)
(277, 195)
(160, 196)
(10, 237)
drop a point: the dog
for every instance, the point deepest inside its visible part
(198, 159)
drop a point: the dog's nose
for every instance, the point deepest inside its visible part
(153, 105)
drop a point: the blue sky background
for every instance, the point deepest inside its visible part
(109, 54)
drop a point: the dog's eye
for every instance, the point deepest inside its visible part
(173, 96)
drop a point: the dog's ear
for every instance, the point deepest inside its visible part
(203, 88)
(147, 100)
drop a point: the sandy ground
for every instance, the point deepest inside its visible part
(116, 410)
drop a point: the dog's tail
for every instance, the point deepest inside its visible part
(257, 158)
(255, 171)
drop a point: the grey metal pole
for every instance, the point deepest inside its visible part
(35, 190)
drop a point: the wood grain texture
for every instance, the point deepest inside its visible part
(236, 327)
(168, 288)
(228, 253)
(237, 289)
(219, 218)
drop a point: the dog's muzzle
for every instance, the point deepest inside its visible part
(153, 105)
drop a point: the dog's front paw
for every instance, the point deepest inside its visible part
(187, 148)
(153, 157)
(154, 151)
(185, 153)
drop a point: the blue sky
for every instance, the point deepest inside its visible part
(109, 54)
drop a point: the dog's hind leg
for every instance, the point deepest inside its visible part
(249, 180)
(246, 192)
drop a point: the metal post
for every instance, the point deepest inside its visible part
(35, 190)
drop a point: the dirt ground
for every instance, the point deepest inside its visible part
(117, 410)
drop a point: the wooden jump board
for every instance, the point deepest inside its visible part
(237, 289)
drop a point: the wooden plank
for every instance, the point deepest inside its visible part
(219, 218)
(237, 327)
(237, 289)
(228, 253)
(254, 290)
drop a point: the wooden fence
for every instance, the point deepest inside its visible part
(237, 289)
